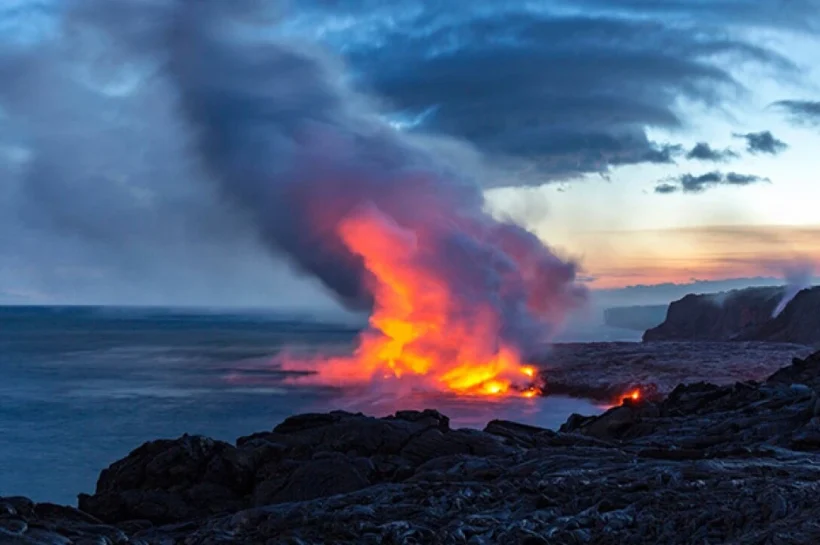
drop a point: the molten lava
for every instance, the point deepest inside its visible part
(425, 329)
(633, 396)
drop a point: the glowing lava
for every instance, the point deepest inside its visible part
(634, 396)
(425, 329)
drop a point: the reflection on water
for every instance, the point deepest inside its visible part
(385, 398)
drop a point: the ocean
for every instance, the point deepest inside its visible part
(80, 387)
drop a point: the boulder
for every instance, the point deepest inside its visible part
(171, 480)
(305, 457)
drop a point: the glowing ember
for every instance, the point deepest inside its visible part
(634, 395)
(421, 330)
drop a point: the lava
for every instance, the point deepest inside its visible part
(630, 397)
(422, 330)
(388, 221)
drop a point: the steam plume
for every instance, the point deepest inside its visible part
(318, 170)
(798, 277)
(301, 152)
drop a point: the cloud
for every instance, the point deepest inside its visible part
(793, 15)
(689, 183)
(665, 188)
(101, 199)
(105, 199)
(566, 94)
(193, 136)
(804, 112)
(702, 151)
(762, 142)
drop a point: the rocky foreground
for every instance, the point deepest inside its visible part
(707, 464)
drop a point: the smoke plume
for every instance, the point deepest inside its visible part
(301, 152)
(388, 222)
(798, 277)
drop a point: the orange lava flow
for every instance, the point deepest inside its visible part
(421, 332)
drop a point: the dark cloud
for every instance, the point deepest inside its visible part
(105, 187)
(733, 178)
(101, 200)
(262, 139)
(573, 94)
(793, 15)
(702, 151)
(805, 112)
(763, 142)
(665, 188)
(690, 183)
(695, 184)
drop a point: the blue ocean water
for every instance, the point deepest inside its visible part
(80, 387)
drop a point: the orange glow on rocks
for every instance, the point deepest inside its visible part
(633, 396)
(421, 331)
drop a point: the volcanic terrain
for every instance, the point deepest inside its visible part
(707, 463)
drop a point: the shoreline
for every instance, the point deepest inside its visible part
(736, 462)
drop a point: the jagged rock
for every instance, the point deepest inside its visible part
(801, 371)
(23, 522)
(516, 434)
(799, 322)
(325, 476)
(734, 463)
(305, 457)
(169, 480)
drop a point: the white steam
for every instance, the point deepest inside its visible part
(798, 277)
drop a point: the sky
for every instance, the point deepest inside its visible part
(654, 142)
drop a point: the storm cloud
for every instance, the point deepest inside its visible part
(568, 94)
(690, 183)
(702, 151)
(107, 192)
(802, 112)
(572, 94)
(763, 142)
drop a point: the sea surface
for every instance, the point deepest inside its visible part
(80, 387)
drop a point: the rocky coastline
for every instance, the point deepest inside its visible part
(763, 314)
(736, 463)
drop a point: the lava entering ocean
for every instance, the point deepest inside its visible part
(390, 221)
(424, 328)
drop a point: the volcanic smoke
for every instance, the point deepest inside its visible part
(457, 298)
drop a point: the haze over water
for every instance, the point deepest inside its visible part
(83, 386)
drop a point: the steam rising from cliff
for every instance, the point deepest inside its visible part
(798, 276)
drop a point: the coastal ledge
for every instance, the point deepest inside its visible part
(705, 464)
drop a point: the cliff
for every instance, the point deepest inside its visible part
(733, 315)
(798, 323)
(637, 318)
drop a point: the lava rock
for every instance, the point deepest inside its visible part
(737, 463)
